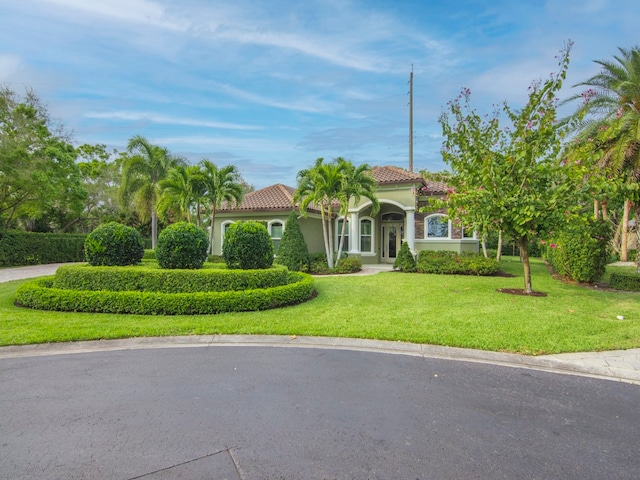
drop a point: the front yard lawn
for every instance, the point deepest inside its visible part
(458, 311)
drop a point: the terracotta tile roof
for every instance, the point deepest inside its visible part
(390, 175)
(274, 197)
(432, 187)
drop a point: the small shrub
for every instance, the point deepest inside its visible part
(182, 245)
(247, 245)
(149, 254)
(293, 251)
(114, 244)
(625, 281)
(349, 265)
(405, 261)
(446, 262)
(580, 251)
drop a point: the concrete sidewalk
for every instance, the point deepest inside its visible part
(618, 365)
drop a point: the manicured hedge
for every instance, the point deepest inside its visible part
(27, 248)
(446, 262)
(625, 281)
(40, 294)
(150, 279)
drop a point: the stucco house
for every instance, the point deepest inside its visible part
(373, 238)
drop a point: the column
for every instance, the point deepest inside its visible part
(410, 229)
(354, 233)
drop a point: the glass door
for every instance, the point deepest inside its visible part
(391, 241)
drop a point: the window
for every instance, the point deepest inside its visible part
(366, 235)
(345, 246)
(225, 226)
(275, 230)
(436, 227)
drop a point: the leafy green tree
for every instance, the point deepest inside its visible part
(357, 182)
(143, 170)
(609, 125)
(511, 175)
(293, 251)
(100, 173)
(38, 175)
(220, 184)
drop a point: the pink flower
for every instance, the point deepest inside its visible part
(553, 245)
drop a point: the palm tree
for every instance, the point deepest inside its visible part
(611, 105)
(220, 184)
(357, 182)
(176, 194)
(142, 171)
(321, 185)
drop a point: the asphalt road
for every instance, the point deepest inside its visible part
(293, 413)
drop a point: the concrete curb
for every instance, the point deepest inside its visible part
(571, 364)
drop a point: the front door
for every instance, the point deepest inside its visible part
(392, 234)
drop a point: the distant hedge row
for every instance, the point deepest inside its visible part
(149, 279)
(625, 281)
(28, 248)
(40, 294)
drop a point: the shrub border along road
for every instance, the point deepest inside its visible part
(40, 294)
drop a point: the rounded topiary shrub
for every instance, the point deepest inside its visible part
(182, 245)
(247, 245)
(113, 244)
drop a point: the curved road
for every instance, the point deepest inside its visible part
(238, 412)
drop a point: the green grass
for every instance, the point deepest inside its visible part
(458, 311)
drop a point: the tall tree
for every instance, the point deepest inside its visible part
(177, 196)
(609, 124)
(321, 186)
(357, 182)
(38, 175)
(142, 171)
(220, 184)
(510, 175)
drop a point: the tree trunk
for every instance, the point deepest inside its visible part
(325, 235)
(596, 209)
(524, 255)
(605, 211)
(330, 259)
(154, 228)
(483, 242)
(341, 243)
(499, 253)
(213, 218)
(625, 231)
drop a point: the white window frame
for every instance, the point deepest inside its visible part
(337, 233)
(372, 235)
(426, 227)
(270, 224)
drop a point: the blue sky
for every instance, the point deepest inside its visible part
(270, 86)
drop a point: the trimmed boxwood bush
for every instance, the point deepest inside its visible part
(447, 262)
(580, 251)
(405, 261)
(114, 244)
(28, 248)
(293, 251)
(625, 281)
(247, 245)
(149, 279)
(182, 245)
(349, 265)
(41, 295)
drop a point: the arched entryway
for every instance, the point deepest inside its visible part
(391, 234)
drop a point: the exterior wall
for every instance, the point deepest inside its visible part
(455, 245)
(311, 227)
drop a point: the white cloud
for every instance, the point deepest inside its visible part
(135, 11)
(164, 119)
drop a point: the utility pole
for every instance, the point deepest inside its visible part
(411, 120)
